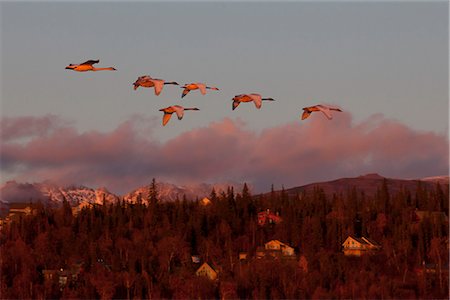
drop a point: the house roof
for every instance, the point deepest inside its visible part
(278, 242)
(359, 240)
(370, 241)
(362, 240)
(211, 267)
(205, 201)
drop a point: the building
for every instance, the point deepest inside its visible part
(275, 249)
(62, 276)
(196, 259)
(19, 209)
(205, 202)
(275, 246)
(207, 271)
(260, 252)
(354, 246)
(242, 255)
(266, 217)
(436, 216)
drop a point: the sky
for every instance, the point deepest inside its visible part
(385, 64)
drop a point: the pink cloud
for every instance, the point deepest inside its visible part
(292, 154)
(23, 127)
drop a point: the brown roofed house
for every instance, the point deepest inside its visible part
(354, 246)
(207, 271)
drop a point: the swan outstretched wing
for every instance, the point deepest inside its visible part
(179, 111)
(256, 99)
(90, 62)
(305, 114)
(166, 118)
(202, 88)
(185, 92)
(158, 83)
(325, 110)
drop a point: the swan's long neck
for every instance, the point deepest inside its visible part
(103, 69)
(191, 108)
(171, 82)
(212, 88)
(268, 99)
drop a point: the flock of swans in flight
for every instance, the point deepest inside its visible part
(158, 84)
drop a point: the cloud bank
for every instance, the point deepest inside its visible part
(292, 154)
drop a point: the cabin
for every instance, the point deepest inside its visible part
(436, 216)
(16, 210)
(63, 276)
(276, 247)
(260, 252)
(21, 208)
(195, 259)
(205, 202)
(242, 255)
(267, 217)
(207, 271)
(354, 246)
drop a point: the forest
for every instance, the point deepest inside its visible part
(144, 250)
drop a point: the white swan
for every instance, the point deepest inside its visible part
(194, 86)
(325, 109)
(88, 66)
(147, 81)
(179, 110)
(256, 98)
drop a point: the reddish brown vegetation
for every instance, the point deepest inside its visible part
(144, 251)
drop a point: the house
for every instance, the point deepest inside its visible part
(277, 247)
(436, 216)
(21, 208)
(260, 252)
(195, 259)
(354, 246)
(62, 276)
(205, 202)
(207, 271)
(431, 268)
(16, 210)
(266, 217)
(242, 255)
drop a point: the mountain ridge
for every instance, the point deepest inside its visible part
(369, 184)
(53, 195)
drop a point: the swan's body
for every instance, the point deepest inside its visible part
(194, 86)
(326, 110)
(179, 110)
(256, 98)
(88, 66)
(147, 81)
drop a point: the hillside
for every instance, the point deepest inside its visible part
(369, 184)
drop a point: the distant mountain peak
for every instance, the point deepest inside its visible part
(371, 176)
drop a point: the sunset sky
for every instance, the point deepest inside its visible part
(385, 64)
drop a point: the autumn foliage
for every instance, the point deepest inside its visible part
(143, 250)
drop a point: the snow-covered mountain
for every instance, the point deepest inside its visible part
(441, 179)
(172, 192)
(52, 194)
